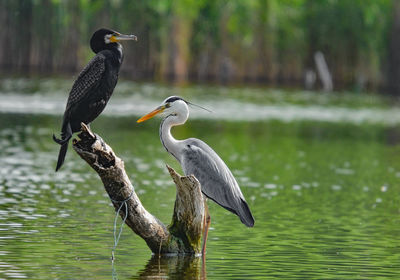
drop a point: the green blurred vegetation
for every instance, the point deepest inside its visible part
(253, 41)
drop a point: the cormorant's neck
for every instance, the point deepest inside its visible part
(169, 142)
(118, 52)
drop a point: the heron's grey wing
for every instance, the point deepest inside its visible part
(217, 181)
(88, 79)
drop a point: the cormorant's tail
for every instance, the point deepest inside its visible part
(66, 134)
(245, 214)
(61, 155)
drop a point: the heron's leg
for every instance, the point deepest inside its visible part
(207, 223)
(204, 217)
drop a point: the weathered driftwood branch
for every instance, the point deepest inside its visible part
(183, 236)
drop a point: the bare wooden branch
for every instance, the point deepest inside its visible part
(187, 221)
(183, 236)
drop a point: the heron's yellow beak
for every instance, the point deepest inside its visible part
(151, 114)
(117, 37)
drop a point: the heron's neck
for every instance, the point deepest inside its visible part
(172, 145)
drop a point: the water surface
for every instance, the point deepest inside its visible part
(325, 196)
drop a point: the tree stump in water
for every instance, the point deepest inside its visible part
(183, 236)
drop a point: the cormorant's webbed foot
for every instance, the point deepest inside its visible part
(61, 141)
(66, 134)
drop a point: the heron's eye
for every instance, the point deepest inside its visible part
(167, 105)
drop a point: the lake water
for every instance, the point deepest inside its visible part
(325, 193)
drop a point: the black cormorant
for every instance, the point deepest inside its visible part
(93, 87)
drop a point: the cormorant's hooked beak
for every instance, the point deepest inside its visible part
(121, 37)
(153, 113)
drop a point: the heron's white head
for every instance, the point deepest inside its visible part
(173, 106)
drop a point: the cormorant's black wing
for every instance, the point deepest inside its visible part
(88, 79)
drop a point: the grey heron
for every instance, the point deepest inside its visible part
(199, 159)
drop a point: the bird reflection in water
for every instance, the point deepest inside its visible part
(170, 267)
(174, 267)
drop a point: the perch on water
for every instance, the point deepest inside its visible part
(93, 87)
(198, 159)
(182, 236)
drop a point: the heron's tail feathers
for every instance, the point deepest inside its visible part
(245, 214)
